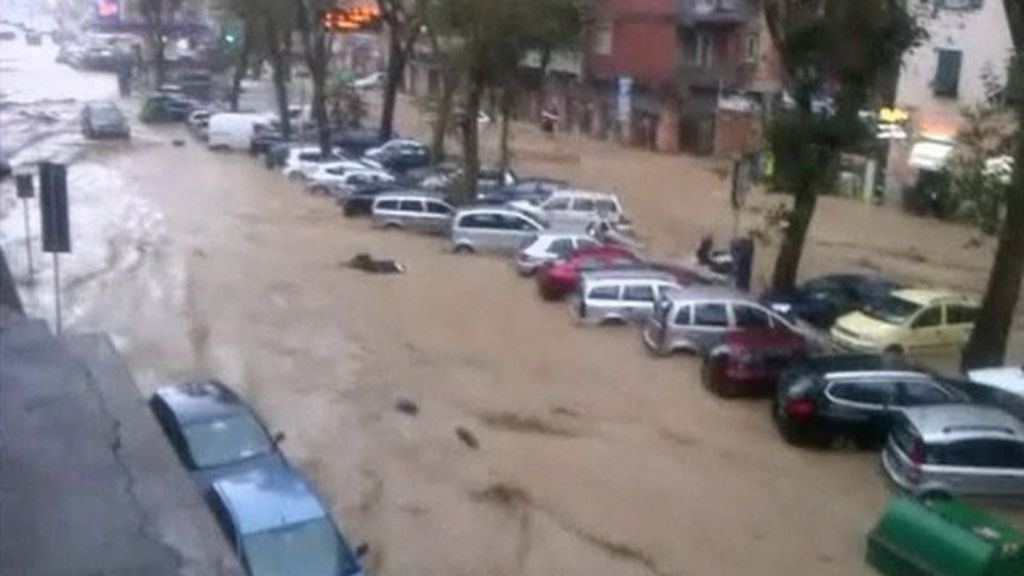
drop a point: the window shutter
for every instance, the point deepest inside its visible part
(947, 73)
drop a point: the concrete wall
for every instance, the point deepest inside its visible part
(983, 37)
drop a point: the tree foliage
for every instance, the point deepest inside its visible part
(833, 48)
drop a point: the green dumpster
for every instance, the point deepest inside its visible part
(943, 537)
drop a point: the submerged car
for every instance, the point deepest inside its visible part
(960, 449)
(615, 297)
(213, 431)
(854, 398)
(914, 322)
(104, 120)
(751, 361)
(279, 526)
(560, 278)
(822, 300)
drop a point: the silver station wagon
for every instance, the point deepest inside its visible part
(620, 296)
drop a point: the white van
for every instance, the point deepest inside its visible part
(234, 131)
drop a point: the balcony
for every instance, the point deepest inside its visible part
(693, 13)
(727, 76)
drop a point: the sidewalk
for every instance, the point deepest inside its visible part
(88, 484)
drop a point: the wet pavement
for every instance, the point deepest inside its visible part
(591, 457)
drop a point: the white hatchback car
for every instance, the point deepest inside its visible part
(339, 179)
(549, 247)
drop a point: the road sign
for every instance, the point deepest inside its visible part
(53, 207)
(25, 186)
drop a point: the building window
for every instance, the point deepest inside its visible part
(752, 49)
(703, 50)
(947, 73)
(603, 39)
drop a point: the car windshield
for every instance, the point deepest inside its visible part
(310, 548)
(223, 441)
(892, 309)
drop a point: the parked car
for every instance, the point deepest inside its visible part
(1009, 378)
(339, 182)
(104, 120)
(560, 278)
(914, 322)
(619, 296)
(404, 158)
(957, 449)
(360, 201)
(413, 211)
(278, 526)
(854, 398)
(492, 229)
(531, 190)
(750, 361)
(233, 131)
(326, 177)
(697, 318)
(355, 143)
(304, 161)
(488, 179)
(213, 431)
(822, 300)
(394, 145)
(548, 247)
(198, 123)
(161, 108)
(575, 206)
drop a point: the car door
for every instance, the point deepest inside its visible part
(413, 214)
(925, 333)
(960, 320)
(983, 466)
(921, 392)
(582, 209)
(518, 230)
(485, 230)
(602, 301)
(438, 214)
(750, 317)
(862, 407)
(638, 300)
(708, 326)
(556, 209)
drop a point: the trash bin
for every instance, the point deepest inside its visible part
(742, 251)
(943, 537)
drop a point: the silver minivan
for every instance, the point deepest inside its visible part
(696, 319)
(956, 449)
(413, 211)
(492, 230)
(620, 296)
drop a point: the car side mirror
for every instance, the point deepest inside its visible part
(362, 550)
(278, 438)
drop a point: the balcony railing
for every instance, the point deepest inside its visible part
(727, 76)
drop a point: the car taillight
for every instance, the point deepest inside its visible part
(800, 408)
(916, 460)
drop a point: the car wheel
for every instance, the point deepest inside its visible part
(320, 191)
(711, 372)
(295, 176)
(463, 249)
(613, 321)
(392, 226)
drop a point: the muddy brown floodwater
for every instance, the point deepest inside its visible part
(537, 447)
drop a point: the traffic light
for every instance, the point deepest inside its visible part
(351, 18)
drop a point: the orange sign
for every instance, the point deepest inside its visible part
(351, 18)
(108, 8)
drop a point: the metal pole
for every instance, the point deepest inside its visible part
(56, 290)
(28, 243)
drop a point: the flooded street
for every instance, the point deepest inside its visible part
(592, 457)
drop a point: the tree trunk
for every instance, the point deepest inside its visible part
(471, 140)
(280, 86)
(788, 262)
(987, 345)
(323, 127)
(242, 66)
(449, 85)
(159, 62)
(506, 113)
(396, 67)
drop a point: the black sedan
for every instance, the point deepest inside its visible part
(854, 398)
(213, 431)
(822, 300)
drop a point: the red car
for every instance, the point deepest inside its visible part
(560, 278)
(751, 360)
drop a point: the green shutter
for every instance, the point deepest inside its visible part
(947, 73)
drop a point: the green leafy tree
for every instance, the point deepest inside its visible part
(987, 345)
(404, 20)
(316, 46)
(838, 43)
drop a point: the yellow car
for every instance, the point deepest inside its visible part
(912, 322)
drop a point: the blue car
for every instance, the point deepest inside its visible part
(279, 527)
(822, 300)
(214, 432)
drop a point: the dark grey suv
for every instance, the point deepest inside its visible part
(104, 120)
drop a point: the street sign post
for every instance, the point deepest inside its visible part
(26, 190)
(53, 208)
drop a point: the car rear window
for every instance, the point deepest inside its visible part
(387, 205)
(604, 293)
(712, 315)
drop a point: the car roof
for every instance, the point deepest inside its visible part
(493, 210)
(411, 195)
(201, 400)
(584, 194)
(926, 297)
(953, 421)
(268, 498)
(555, 234)
(703, 292)
(640, 273)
